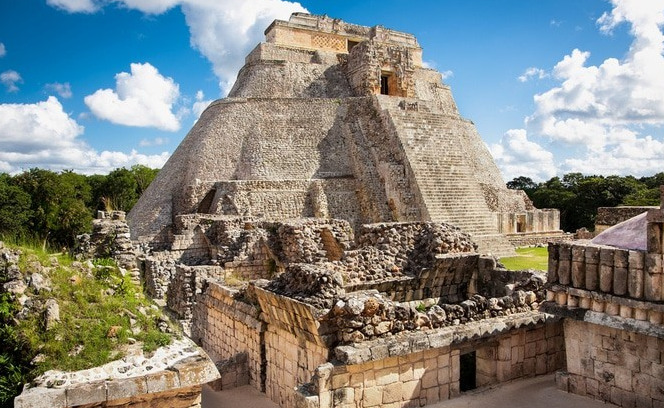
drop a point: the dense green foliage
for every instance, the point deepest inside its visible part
(578, 196)
(527, 258)
(49, 207)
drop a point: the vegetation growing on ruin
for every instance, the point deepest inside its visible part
(528, 258)
(101, 312)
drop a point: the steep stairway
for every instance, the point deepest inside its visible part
(450, 192)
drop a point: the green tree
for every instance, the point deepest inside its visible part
(15, 208)
(523, 183)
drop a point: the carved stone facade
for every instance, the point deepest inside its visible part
(333, 120)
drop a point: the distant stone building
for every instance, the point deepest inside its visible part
(334, 120)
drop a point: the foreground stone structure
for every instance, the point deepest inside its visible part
(173, 377)
(611, 297)
(338, 121)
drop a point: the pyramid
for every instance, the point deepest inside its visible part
(333, 120)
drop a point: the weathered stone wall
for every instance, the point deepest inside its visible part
(547, 220)
(579, 269)
(610, 216)
(423, 368)
(614, 365)
(172, 377)
(293, 346)
(232, 333)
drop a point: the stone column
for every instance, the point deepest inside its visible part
(606, 256)
(635, 276)
(553, 262)
(578, 266)
(592, 268)
(564, 263)
(621, 262)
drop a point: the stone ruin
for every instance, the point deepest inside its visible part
(338, 121)
(612, 298)
(320, 232)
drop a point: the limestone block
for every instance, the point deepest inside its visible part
(126, 388)
(564, 264)
(392, 393)
(41, 397)
(652, 286)
(162, 381)
(578, 266)
(195, 370)
(612, 309)
(87, 393)
(606, 267)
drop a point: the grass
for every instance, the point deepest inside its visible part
(91, 301)
(528, 258)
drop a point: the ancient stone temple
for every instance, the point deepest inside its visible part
(337, 121)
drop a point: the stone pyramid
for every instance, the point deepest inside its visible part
(334, 120)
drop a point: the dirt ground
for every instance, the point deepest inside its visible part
(539, 392)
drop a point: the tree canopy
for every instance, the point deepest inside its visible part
(54, 207)
(578, 196)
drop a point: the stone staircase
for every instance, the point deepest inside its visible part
(449, 190)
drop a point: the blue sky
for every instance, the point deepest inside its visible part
(553, 86)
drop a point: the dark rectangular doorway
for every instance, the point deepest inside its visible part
(467, 372)
(384, 89)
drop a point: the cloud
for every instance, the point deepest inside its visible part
(142, 98)
(10, 79)
(74, 6)
(157, 141)
(43, 135)
(532, 72)
(201, 104)
(598, 114)
(64, 90)
(3, 50)
(515, 155)
(224, 31)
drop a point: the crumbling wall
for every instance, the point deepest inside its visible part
(232, 333)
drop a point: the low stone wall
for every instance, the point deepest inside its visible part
(421, 368)
(293, 347)
(609, 216)
(610, 270)
(527, 239)
(172, 377)
(614, 365)
(232, 334)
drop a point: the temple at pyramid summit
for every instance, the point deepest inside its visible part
(332, 120)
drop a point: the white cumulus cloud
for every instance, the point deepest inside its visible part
(44, 135)
(9, 79)
(517, 156)
(605, 118)
(75, 6)
(141, 98)
(64, 90)
(531, 73)
(224, 31)
(201, 104)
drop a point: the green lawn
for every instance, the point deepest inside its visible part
(528, 258)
